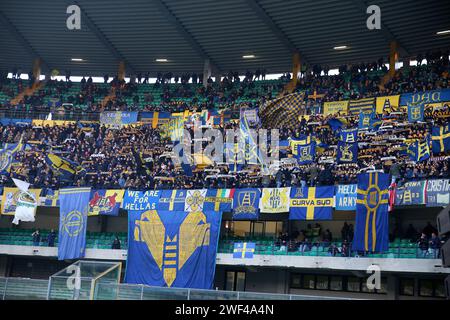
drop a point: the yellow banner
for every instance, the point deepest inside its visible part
(388, 103)
(275, 200)
(335, 107)
(51, 123)
(11, 195)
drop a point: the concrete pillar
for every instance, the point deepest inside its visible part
(36, 69)
(121, 71)
(206, 72)
(296, 64)
(393, 57)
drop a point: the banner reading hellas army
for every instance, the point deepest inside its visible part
(172, 248)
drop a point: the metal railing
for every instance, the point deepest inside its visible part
(401, 250)
(76, 115)
(34, 289)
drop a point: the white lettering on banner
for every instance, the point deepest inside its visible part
(347, 201)
(438, 185)
(143, 202)
(347, 188)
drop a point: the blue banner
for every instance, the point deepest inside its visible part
(141, 200)
(7, 155)
(427, 97)
(118, 118)
(419, 150)
(219, 200)
(349, 135)
(347, 152)
(438, 193)
(314, 203)
(372, 220)
(244, 250)
(440, 138)
(246, 204)
(172, 200)
(73, 213)
(172, 249)
(346, 197)
(15, 122)
(306, 153)
(416, 111)
(51, 198)
(410, 193)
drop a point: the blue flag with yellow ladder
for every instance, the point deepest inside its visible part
(372, 220)
(314, 203)
(73, 213)
(246, 204)
(172, 249)
(441, 138)
(244, 250)
(419, 150)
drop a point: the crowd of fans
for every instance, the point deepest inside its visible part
(353, 82)
(139, 156)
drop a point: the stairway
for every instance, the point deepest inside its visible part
(27, 92)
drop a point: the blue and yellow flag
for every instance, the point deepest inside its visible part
(419, 150)
(301, 140)
(349, 135)
(347, 152)
(306, 154)
(172, 200)
(7, 155)
(244, 250)
(246, 204)
(372, 220)
(314, 203)
(105, 202)
(63, 167)
(416, 111)
(73, 213)
(441, 138)
(172, 249)
(219, 200)
(51, 198)
(234, 156)
(247, 142)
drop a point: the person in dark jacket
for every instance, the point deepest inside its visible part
(36, 238)
(423, 245)
(116, 243)
(51, 238)
(435, 245)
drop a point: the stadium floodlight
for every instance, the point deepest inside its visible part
(161, 60)
(340, 48)
(443, 32)
(248, 56)
(77, 59)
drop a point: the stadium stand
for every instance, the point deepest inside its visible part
(90, 170)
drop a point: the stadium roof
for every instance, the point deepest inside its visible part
(186, 32)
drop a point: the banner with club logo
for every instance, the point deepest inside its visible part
(410, 193)
(105, 202)
(275, 200)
